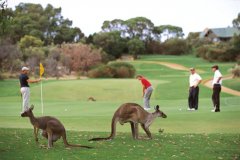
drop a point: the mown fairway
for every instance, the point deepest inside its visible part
(187, 135)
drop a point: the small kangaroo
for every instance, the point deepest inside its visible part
(91, 99)
(134, 114)
(52, 128)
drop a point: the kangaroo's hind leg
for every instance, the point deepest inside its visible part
(134, 128)
(36, 133)
(50, 139)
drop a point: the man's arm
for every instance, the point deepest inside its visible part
(143, 91)
(198, 82)
(33, 81)
(219, 79)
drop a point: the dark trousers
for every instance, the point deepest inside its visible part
(193, 97)
(216, 96)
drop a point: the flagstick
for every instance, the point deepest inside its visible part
(41, 98)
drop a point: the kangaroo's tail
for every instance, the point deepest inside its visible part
(72, 145)
(113, 131)
(76, 145)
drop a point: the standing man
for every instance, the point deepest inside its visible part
(147, 91)
(25, 91)
(217, 82)
(194, 81)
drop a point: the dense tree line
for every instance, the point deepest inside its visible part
(31, 33)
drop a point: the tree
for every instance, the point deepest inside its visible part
(111, 42)
(114, 25)
(175, 46)
(5, 18)
(169, 31)
(139, 27)
(46, 24)
(9, 56)
(30, 41)
(136, 47)
(81, 56)
(236, 22)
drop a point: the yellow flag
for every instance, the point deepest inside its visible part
(41, 70)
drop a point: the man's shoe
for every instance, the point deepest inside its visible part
(193, 109)
(215, 110)
(189, 109)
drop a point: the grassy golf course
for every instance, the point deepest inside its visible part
(187, 135)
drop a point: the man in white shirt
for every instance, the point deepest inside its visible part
(194, 81)
(216, 82)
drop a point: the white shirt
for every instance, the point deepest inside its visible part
(193, 79)
(217, 74)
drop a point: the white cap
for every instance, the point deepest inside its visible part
(25, 69)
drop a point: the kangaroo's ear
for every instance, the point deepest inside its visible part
(157, 107)
(32, 107)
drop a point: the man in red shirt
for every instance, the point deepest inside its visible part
(147, 91)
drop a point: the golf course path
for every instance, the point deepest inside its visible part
(173, 66)
(207, 83)
(169, 65)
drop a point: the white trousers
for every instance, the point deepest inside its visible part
(25, 98)
(147, 96)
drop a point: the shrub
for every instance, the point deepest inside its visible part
(123, 69)
(235, 71)
(201, 51)
(175, 46)
(113, 70)
(221, 52)
(102, 72)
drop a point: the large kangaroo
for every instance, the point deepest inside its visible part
(134, 114)
(52, 128)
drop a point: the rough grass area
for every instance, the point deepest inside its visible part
(199, 135)
(233, 83)
(20, 144)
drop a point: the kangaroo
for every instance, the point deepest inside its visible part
(134, 114)
(91, 99)
(52, 128)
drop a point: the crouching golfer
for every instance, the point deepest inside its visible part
(25, 91)
(147, 91)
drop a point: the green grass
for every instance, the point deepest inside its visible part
(187, 135)
(162, 146)
(233, 83)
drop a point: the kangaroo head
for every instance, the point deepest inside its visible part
(159, 113)
(28, 112)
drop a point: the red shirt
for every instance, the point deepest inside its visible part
(145, 83)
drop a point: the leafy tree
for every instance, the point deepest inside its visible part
(114, 25)
(5, 18)
(169, 31)
(81, 57)
(236, 22)
(53, 62)
(175, 46)
(111, 42)
(9, 56)
(30, 41)
(46, 24)
(33, 56)
(136, 47)
(139, 27)
(154, 47)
